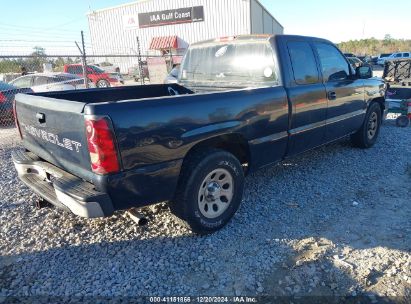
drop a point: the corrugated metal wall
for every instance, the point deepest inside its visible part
(222, 18)
(262, 22)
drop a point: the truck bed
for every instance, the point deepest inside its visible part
(53, 124)
(117, 93)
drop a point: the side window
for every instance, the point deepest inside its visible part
(23, 82)
(40, 80)
(303, 62)
(406, 54)
(333, 64)
(76, 69)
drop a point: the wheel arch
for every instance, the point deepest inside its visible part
(380, 101)
(233, 143)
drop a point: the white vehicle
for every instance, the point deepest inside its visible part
(47, 82)
(399, 55)
(172, 77)
(108, 67)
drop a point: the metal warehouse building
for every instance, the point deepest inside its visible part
(170, 26)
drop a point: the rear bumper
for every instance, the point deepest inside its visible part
(61, 188)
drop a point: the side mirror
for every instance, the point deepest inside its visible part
(363, 72)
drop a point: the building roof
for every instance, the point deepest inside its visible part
(165, 42)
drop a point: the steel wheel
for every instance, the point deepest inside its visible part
(215, 193)
(372, 125)
(102, 84)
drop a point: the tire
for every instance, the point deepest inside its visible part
(402, 121)
(209, 191)
(103, 84)
(367, 135)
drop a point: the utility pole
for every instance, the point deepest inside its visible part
(140, 63)
(83, 59)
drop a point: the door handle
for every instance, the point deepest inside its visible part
(41, 117)
(332, 95)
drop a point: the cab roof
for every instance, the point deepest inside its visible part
(257, 37)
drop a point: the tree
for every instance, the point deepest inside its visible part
(372, 46)
(35, 63)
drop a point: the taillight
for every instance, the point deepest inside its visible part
(101, 145)
(3, 98)
(16, 121)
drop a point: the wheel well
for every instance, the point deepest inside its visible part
(235, 144)
(381, 102)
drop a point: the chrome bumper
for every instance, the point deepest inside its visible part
(61, 188)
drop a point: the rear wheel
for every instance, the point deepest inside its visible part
(367, 135)
(103, 83)
(209, 191)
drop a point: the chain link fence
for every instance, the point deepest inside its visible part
(39, 72)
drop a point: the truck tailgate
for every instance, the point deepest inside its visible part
(54, 129)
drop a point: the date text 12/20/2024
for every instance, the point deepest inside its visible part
(203, 299)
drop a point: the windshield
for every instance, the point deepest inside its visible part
(235, 64)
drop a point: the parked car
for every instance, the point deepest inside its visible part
(7, 93)
(135, 72)
(172, 77)
(381, 58)
(266, 98)
(46, 82)
(349, 55)
(109, 67)
(355, 62)
(373, 60)
(96, 75)
(400, 55)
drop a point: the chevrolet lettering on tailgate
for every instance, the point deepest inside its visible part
(52, 138)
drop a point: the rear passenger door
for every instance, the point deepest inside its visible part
(345, 92)
(307, 96)
(40, 84)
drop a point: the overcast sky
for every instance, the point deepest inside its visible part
(58, 23)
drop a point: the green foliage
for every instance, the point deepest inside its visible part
(372, 46)
(10, 66)
(35, 62)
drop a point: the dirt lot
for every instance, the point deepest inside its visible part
(332, 222)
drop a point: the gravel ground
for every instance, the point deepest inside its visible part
(333, 221)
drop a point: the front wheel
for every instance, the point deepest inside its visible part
(103, 83)
(209, 191)
(367, 135)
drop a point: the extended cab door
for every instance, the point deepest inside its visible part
(307, 97)
(345, 92)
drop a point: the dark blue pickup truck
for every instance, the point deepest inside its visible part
(242, 103)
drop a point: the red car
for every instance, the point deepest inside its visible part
(96, 75)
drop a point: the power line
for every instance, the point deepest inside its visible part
(53, 28)
(32, 46)
(7, 31)
(26, 40)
